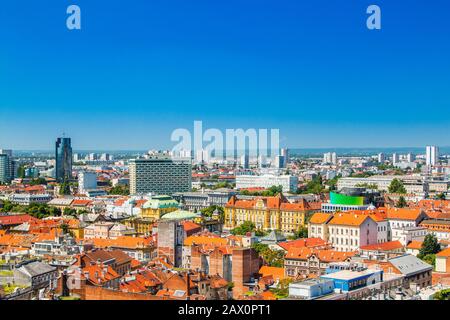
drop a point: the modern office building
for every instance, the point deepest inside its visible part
(279, 162)
(285, 154)
(7, 166)
(432, 155)
(63, 156)
(287, 182)
(245, 162)
(86, 181)
(4, 169)
(381, 157)
(412, 183)
(160, 175)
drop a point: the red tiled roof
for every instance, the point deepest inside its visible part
(16, 219)
(301, 243)
(384, 246)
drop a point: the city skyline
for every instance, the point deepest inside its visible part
(132, 75)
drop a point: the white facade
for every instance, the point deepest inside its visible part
(330, 157)
(408, 234)
(289, 183)
(351, 237)
(86, 181)
(432, 155)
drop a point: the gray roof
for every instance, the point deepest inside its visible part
(36, 268)
(274, 236)
(409, 265)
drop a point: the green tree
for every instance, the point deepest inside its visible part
(119, 190)
(273, 258)
(401, 203)
(208, 212)
(300, 233)
(282, 289)
(246, 227)
(21, 171)
(442, 295)
(64, 188)
(38, 181)
(396, 186)
(441, 196)
(430, 246)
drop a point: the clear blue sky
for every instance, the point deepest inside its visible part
(139, 69)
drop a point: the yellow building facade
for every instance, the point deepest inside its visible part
(268, 213)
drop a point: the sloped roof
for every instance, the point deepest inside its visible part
(409, 265)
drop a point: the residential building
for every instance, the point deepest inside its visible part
(432, 155)
(415, 270)
(443, 261)
(302, 262)
(86, 181)
(36, 274)
(347, 231)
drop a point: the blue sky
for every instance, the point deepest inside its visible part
(139, 69)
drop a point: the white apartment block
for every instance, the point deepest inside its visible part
(407, 234)
(287, 182)
(348, 232)
(86, 181)
(432, 155)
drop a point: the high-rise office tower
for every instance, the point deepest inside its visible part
(285, 154)
(279, 162)
(7, 166)
(410, 157)
(381, 157)
(432, 155)
(245, 162)
(395, 158)
(63, 156)
(160, 175)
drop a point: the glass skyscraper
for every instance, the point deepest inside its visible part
(63, 156)
(7, 166)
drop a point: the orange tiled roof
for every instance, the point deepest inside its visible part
(99, 274)
(384, 246)
(305, 242)
(123, 242)
(444, 253)
(190, 226)
(403, 213)
(275, 272)
(414, 245)
(212, 239)
(347, 219)
(323, 255)
(320, 217)
(81, 202)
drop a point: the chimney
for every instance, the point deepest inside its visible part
(188, 286)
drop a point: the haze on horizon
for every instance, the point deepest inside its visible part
(134, 74)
